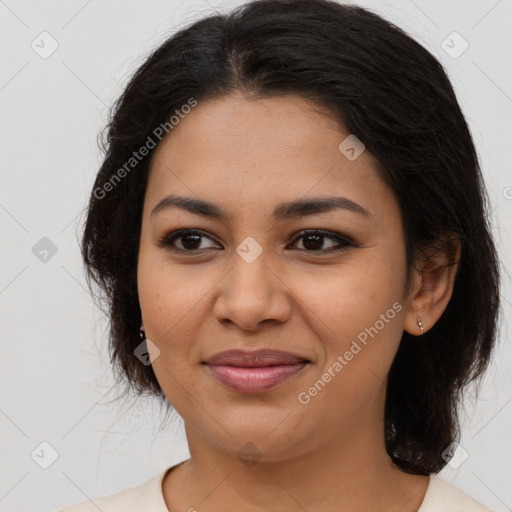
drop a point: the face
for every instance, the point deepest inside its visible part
(260, 275)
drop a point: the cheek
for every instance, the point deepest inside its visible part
(360, 337)
(346, 298)
(174, 304)
(357, 314)
(165, 293)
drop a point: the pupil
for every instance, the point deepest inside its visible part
(316, 240)
(194, 244)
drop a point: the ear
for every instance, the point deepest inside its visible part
(432, 284)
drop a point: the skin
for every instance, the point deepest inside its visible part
(247, 156)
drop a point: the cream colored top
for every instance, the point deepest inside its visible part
(441, 496)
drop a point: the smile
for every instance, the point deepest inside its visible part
(254, 379)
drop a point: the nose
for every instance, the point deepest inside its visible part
(252, 293)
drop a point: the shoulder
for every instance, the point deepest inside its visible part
(442, 496)
(146, 497)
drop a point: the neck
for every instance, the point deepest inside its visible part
(349, 472)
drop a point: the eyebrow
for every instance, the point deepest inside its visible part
(289, 210)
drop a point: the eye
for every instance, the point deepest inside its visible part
(191, 240)
(313, 240)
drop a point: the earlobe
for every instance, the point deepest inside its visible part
(418, 322)
(413, 323)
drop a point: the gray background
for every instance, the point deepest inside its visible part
(56, 384)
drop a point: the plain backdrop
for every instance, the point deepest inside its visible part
(56, 383)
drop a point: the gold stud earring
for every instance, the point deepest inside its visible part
(420, 324)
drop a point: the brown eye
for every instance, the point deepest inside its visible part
(190, 240)
(313, 241)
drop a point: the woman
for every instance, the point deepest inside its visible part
(291, 215)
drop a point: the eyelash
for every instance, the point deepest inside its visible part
(167, 241)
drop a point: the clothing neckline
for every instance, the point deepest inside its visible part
(427, 498)
(160, 481)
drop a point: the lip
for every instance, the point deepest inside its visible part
(254, 371)
(254, 358)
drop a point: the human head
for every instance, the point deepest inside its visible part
(395, 97)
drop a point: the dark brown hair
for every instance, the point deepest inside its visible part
(396, 98)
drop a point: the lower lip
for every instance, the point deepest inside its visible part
(254, 380)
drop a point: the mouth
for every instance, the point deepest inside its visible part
(255, 371)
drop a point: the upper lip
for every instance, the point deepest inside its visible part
(255, 358)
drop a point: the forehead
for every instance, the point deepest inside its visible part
(238, 148)
(237, 126)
